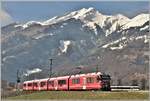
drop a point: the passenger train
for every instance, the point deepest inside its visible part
(89, 81)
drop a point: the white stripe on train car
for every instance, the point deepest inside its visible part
(84, 83)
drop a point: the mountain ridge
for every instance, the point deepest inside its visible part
(120, 19)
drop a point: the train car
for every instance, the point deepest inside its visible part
(75, 82)
(28, 85)
(43, 84)
(52, 84)
(36, 85)
(24, 86)
(89, 81)
(85, 82)
(63, 83)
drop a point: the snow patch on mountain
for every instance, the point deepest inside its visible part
(121, 46)
(64, 45)
(116, 23)
(144, 28)
(114, 42)
(7, 57)
(42, 35)
(137, 21)
(145, 37)
(92, 26)
(122, 42)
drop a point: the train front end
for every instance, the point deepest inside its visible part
(105, 82)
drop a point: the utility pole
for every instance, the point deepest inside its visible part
(51, 63)
(18, 79)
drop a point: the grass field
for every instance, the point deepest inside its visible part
(94, 95)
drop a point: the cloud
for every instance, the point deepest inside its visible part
(5, 18)
(35, 70)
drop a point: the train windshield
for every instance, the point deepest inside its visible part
(105, 77)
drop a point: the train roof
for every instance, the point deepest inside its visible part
(88, 74)
(28, 81)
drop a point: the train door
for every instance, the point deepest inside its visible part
(55, 84)
(84, 83)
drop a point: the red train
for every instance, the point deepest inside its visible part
(89, 81)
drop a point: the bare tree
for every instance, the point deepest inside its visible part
(119, 82)
(134, 82)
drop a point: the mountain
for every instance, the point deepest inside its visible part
(85, 38)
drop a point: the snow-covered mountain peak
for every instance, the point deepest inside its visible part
(83, 13)
(91, 18)
(79, 14)
(139, 20)
(86, 10)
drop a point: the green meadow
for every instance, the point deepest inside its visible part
(92, 95)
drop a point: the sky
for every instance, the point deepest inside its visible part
(40, 11)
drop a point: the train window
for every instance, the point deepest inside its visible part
(35, 84)
(42, 84)
(105, 77)
(24, 85)
(29, 84)
(90, 80)
(62, 82)
(76, 81)
(51, 83)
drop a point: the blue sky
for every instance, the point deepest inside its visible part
(40, 11)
